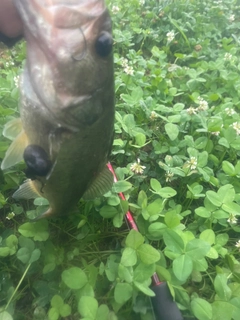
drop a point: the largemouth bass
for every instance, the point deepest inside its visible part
(66, 102)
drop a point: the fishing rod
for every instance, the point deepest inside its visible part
(163, 305)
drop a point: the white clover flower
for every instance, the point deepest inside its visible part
(136, 167)
(124, 62)
(129, 70)
(16, 81)
(173, 67)
(115, 9)
(191, 111)
(217, 3)
(228, 56)
(203, 105)
(10, 216)
(238, 244)
(230, 111)
(141, 2)
(236, 126)
(231, 18)
(161, 13)
(170, 36)
(153, 116)
(215, 133)
(232, 218)
(7, 64)
(192, 163)
(169, 176)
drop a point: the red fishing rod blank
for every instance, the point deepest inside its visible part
(163, 305)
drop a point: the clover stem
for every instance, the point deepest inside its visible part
(17, 287)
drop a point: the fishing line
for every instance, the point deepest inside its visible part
(83, 54)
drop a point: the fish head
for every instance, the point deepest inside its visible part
(70, 63)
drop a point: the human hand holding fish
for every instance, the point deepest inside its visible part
(65, 130)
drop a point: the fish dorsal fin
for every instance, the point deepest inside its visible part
(14, 153)
(27, 191)
(101, 185)
(12, 128)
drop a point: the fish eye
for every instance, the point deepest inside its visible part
(37, 161)
(103, 44)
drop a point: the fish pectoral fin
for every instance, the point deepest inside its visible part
(101, 185)
(47, 214)
(12, 128)
(27, 191)
(14, 153)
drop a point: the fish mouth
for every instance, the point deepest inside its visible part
(65, 71)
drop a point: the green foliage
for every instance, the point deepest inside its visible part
(176, 153)
(59, 308)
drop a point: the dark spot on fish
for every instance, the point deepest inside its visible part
(92, 111)
(103, 44)
(37, 161)
(90, 119)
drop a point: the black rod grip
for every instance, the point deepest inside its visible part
(163, 305)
